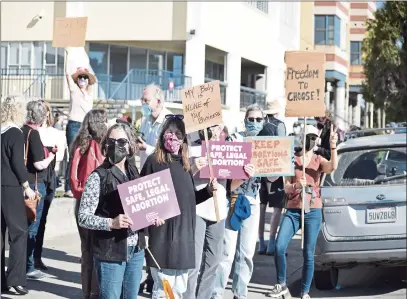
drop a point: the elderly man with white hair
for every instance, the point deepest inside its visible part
(154, 113)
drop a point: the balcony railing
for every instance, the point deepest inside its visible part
(222, 86)
(38, 83)
(249, 96)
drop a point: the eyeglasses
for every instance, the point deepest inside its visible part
(83, 77)
(121, 142)
(171, 116)
(255, 119)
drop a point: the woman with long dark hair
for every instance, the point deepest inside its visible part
(87, 156)
(118, 251)
(172, 244)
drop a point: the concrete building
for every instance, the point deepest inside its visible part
(338, 29)
(174, 44)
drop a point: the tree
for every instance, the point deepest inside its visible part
(385, 60)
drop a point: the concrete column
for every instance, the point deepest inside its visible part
(356, 111)
(350, 115)
(371, 114)
(233, 71)
(367, 108)
(384, 118)
(346, 113)
(340, 104)
(195, 45)
(379, 117)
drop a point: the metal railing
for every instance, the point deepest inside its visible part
(249, 96)
(222, 86)
(260, 5)
(29, 82)
(39, 83)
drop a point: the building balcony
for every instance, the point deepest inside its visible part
(38, 83)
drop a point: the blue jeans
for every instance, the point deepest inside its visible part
(238, 246)
(41, 229)
(115, 277)
(72, 129)
(290, 225)
(33, 228)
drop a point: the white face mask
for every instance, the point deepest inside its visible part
(82, 82)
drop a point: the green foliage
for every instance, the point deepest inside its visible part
(385, 60)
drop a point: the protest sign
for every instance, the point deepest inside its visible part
(272, 156)
(149, 198)
(305, 84)
(69, 32)
(228, 159)
(202, 106)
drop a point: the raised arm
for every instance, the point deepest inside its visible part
(332, 164)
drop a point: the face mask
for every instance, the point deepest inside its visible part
(172, 143)
(82, 82)
(297, 130)
(320, 126)
(309, 144)
(146, 110)
(253, 128)
(116, 153)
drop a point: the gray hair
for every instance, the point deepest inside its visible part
(130, 136)
(253, 107)
(158, 91)
(36, 112)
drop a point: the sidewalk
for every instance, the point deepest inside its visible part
(62, 252)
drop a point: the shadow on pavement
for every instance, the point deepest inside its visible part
(360, 281)
(59, 255)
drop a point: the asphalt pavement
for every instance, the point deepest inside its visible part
(62, 252)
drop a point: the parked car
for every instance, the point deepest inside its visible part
(364, 208)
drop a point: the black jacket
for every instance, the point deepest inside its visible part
(111, 245)
(173, 243)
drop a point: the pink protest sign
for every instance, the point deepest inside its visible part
(149, 198)
(228, 159)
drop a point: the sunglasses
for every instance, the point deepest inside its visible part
(255, 119)
(83, 77)
(312, 137)
(171, 116)
(121, 142)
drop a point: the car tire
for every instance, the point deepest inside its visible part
(326, 280)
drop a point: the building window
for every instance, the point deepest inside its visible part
(327, 30)
(28, 58)
(54, 59)
(356, 53)
(215, 71)
(98, 58)
(260, 5)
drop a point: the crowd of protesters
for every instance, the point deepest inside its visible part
(192, 252)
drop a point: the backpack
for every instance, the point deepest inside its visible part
(82, 166)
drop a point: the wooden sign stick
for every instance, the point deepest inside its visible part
(215, 200)
(304, 196)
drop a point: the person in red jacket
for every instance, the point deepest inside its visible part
(87, 156)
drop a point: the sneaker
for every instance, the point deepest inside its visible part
(277, 291)
(305, 296)
(35, 275)
(68, 194)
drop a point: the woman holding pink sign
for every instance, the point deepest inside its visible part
(118, 251)
(172, 244)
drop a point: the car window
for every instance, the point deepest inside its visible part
(363, 167)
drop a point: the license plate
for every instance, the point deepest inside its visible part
(381, 215)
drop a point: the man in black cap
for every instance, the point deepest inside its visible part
(271, 193)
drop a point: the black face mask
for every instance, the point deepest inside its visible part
(320, 126)
(309, 144)
(116, 153)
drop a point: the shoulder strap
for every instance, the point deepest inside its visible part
(27, 146)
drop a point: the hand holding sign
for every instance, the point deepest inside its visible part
(121, 221)
(333, 139)
(249, 169)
